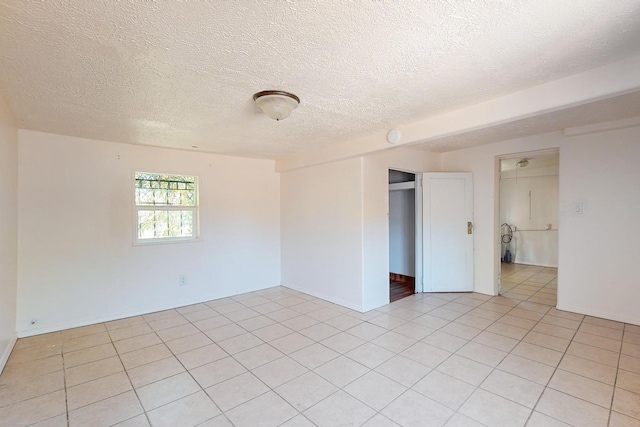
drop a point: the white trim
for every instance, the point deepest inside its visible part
(409, 185)
(7, 352)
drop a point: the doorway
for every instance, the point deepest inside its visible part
(528, 187)
(402, 234)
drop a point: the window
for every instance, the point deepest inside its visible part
(166, 207)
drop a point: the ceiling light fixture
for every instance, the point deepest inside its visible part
(276, 104)
(522, 163)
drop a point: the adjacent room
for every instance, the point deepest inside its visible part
(319, 213)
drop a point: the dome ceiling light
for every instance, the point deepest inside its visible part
(522, 163)
(276, 104)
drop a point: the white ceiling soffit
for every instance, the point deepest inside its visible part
(607, 110)
(182, 74)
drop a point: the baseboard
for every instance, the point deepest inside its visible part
(324, 297)
(601, 315)
(145, 310)
(7, 352)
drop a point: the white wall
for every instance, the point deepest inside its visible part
(402, 232)
(8, 231)
(321, 208)
(533, 243)
(376, 209)
(76, 261)
(598, 274)
(599, 270)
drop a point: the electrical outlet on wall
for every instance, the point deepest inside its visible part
(183, 280)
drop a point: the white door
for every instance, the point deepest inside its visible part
(447, 239)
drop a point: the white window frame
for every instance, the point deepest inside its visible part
(137, 241)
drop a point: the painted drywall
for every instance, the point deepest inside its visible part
(322, 225)
(529, 203)
(376, 210)
(597, 274)
(77, 264)
(402, 232)
(8, 231)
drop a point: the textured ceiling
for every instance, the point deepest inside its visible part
(179, 74)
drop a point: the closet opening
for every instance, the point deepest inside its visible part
(402, 234)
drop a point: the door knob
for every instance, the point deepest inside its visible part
(469, 227)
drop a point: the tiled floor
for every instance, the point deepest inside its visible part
(280, 358)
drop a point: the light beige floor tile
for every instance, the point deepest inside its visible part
(145, 355)
(167, 390)
(593, 353)
(33, 410)
(305, 390)
(499, 342)
(571, 410)
(201, 356)
(123, 323)
(267, 409)
(626, 403)
(513, 388)
(319, 331)
(282, 314)
(538, 354)
(598, 341)
(85, 341)
(200, 315)
(628, 381)
(414, 409)
(394, 342)
(236, 391)
(218, 421)
(547, 341)
(33, 353)
(603, 331)
(538, 419)
(30, 387)
(224, 332)
(403, 370)
(631, 338)
(370, 355)
(258, 356)
(170, 322)
(341, 371)
(508, 330)
(273, 332)
(96, 390)
(444, 389)
(130, 331)
(430, 321)
(339, 408)
(186, 412)
(21, 371)
(43, 340)
(291, 343)
(375, 390)
(377, 420)
(240, 343)
(526, 314)
(445, 341)
(256, 322)
(87, 355)
(587, 368)
(70, 334)
(93, 370)
(279, 371)
(191, 308)
(161, 315)
(136, 343)
(426, 354)
(619, 420)
(314, 355)
(631, 349)
(211, 323)
(563, 322)
(366, 331)
(482, 353)
(413, 330)
(152, 372)
(583, 388)
(177, 332)
(188, 343)
(343, 322)
(556, 331)
(493, 410)
(344, 342)
(629, 363)
(106, 412)
(242, 314)
(59, 421)
(464, 369)
(216, 372)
